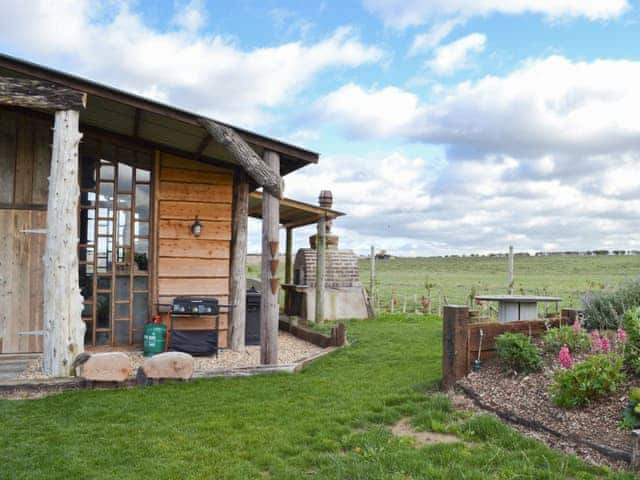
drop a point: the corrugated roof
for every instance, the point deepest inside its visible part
(293, 213)
(128, 114)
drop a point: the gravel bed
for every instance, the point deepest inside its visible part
(290, 350)
(527, 397)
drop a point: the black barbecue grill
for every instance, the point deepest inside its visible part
(195, 342)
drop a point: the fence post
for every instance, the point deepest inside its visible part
(454, 344)
(568, 316)
(510, 269)
(372, 274)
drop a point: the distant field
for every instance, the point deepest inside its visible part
(455, 279)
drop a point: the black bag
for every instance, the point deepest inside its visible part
(194, 342)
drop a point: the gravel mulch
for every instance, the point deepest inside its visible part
(290, 350)
(526, 396)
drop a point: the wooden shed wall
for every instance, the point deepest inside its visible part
(25, 156)
(187, 265)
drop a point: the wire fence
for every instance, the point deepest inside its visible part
(415, 299)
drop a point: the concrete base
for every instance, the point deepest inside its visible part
(340, 303)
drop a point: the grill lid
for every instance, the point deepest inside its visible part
(196, 305)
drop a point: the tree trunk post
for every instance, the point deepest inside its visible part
(510, 269)
(288, 262)
(238, 280)
(454, 344)
(269, 307)
(321, 251)
(63, 326)
(372, 275)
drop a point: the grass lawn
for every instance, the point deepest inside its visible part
(326, 422)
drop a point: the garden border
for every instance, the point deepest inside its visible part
(59, 385)
(509, 416)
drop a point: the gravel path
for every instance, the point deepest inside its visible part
(290, 350)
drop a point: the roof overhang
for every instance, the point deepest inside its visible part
(292, 212)
(121, 113)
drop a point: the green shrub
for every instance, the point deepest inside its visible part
(597, 376)
(576, 341)
(604, 310)
(631, 414)
(631, 324)
(517, 352)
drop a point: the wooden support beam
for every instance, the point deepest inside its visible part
(321, 251)
(21, 92)
(288, 262)
(238, 277)
(202, 147)
(63, 325)
(265, 176)
(269, 307)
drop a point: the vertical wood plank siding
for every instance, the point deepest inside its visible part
(21, 279)
(186, 264)
(25, 157)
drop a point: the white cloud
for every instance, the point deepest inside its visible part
(546, 155)
(425, 41)
(366, 113)
(208, 73)
(405, 13)
(191, 17)
(455, 55)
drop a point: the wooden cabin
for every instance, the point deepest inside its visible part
(146, 173)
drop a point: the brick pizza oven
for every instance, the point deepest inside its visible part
(344, 295)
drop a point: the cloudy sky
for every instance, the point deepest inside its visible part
(445, 126)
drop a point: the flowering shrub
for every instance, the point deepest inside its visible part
(606, 309)
(576, 339)
(631, 323)
(564, 357)
(605, 345)
(599, 375)
(621, 337)
(517, 352)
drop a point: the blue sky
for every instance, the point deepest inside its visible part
(445, 126)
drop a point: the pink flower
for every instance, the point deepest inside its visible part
(605, 345)
(596, 344)
(576, 326)
(564, 357)
(621, 336)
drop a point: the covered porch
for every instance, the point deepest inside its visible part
(110, 200)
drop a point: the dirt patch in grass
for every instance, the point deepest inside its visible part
(404, 429)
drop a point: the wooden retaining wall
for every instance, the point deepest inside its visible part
(461, 338)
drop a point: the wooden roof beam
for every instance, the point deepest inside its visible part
(242, 153)
(20, 92)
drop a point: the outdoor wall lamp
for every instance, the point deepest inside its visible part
(196, 228)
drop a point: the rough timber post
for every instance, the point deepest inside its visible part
(454, 344)
(288, 262)
(321, 251)
(510, 269)
(269, 307)
(63, 325)
(238, 280)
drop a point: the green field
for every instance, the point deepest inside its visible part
(456, 278)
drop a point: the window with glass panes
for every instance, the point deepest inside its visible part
(115, 216)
